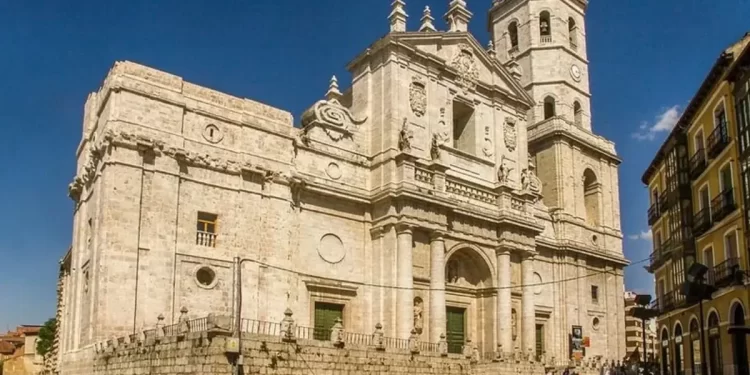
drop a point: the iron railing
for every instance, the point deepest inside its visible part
(698, 163)
(702, 221)
(718, 140)
(723, 204)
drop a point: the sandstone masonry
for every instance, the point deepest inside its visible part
(439, 195)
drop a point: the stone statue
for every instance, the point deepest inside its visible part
(513, 323)
(435, 147)
(503, 172)
(404, 138)
(452, 272)
(418, 310)
(529, 181)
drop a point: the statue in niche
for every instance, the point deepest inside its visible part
(418, 312)
(513, 324)
(451, 274)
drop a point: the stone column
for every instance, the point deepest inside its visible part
(405, 283)
(528, 330)
(437, 286)
(504, 328)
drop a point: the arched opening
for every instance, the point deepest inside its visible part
(695, 346)
(545, 27)
(549, 107)
(577, 113)
(715, 361)
(665, 351)
(679, 364)
(739, 341)
(467, 277)
(591, 190)
(572, 33)
(513, 36)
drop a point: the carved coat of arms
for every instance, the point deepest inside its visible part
(463, 62)
(510, 134)
(418, 96)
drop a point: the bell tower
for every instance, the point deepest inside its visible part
(547, 39)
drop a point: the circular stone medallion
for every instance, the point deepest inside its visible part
(333, 171)
(331, 249)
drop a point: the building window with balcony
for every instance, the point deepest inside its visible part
(698, 161)
(719, 138)
(206, 232)
(545, 27)
(702, 219)
(594, 294)
(708, 261)
(572, 33)
(513, 36)
(730, 244)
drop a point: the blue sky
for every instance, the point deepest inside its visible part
(647, 59)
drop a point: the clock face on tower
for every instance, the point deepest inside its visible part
(575, 72)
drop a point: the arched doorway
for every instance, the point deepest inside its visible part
(715, 361)
(739, 341)
(679, 365)
(695, 346)
(665, 351)
(469, 299)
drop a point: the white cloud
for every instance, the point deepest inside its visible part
(646, 235)
(663, 122)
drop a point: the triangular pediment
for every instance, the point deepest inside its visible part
(461, 55)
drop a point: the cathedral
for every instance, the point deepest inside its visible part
(453, 189)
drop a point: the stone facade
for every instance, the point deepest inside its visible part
(428, 184)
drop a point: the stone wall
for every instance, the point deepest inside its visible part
(205, 353)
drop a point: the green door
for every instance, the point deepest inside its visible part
(539, 340)
(456, 328)
(325, 316)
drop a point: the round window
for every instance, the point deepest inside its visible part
(596, 323)
(205, 277)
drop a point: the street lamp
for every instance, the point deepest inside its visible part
(695, 288)
(644, 313)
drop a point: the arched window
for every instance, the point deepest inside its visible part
(545, 27)
(577, 113)
(715, 361)
(513, 36)
(549, 107)
(572, 33)
(591, 190)
(679, 364)
(695, 346)
(739, 342)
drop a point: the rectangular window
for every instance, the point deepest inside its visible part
(708, 261)
(698, 145)
(464, 137)
(725, 178)
(657, 240)
(325, 317)
(730, 245)
(594, 294)
(704, 198)
(654, 196)
(206, 229)
(720, 116)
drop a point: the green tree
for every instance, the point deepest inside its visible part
(46, 337)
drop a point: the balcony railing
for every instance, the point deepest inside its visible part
(718, 140)
(205, 239)
(661, 254)
(546, 39)
(698, 163)
(702, 221)
(723, 204)
(725, 272)
(653, 213)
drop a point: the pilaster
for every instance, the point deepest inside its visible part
(437, 286)
(405, 283)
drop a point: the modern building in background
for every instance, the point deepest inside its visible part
(696, 185)
(18, 351)
(634, 333)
